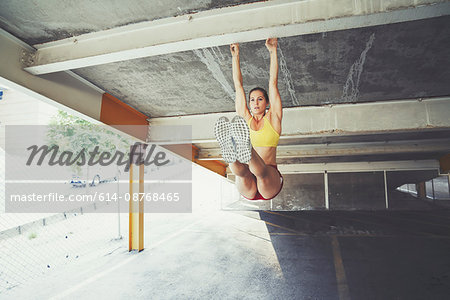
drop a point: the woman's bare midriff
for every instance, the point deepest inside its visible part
(268, 154)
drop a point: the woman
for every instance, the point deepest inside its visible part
(257, 176)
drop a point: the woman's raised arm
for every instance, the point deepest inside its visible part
(274, 95)
(240, 102)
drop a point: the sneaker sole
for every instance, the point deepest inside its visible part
(241, 135)
(223, 136)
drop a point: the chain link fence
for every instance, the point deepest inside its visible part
(34, 244)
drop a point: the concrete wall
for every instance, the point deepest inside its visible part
(346, 191)
(301, 192)
(363, 190)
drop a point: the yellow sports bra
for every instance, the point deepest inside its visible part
(265, 137)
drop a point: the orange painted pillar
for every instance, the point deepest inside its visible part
(136, 203)
(127, 119)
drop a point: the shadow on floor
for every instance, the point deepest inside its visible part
(384, 254)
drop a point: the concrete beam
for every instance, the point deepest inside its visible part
(64, 90)
(347, 149)
(360, 166)
(217, 166)
(341, 119)
(243, 23)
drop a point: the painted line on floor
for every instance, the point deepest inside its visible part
(254, 235)
(286, 233)
(282, 227)
(297, 218)
(73, 289)
(344, 293)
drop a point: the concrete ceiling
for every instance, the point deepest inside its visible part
(42, 21)
(380, 63)
(393, 61)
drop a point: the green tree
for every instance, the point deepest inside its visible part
(71, 133)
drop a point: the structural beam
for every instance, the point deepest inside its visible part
(341, 119)
(64, 90)
(123, 117)
(217, 166)
(67, 91)
(242, 23)
(347, 149)
(406, 165)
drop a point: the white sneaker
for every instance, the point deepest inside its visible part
(223, 136)
(240, 133)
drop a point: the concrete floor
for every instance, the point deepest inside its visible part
(267, 255)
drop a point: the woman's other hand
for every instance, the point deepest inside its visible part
(234, 48)
(271, 44)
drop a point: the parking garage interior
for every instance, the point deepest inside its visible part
(364, 151)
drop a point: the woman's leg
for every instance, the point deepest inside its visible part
(268, 180)
(256, 176)
(245, 180)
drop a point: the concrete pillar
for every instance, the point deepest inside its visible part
(448, 184)
(386, 190)
(421, 190)
(444, 162)
(432, 186)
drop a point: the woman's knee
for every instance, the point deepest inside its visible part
(246, 186)
(261, 172)
(240, 170)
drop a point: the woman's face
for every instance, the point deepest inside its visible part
(257, 102)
